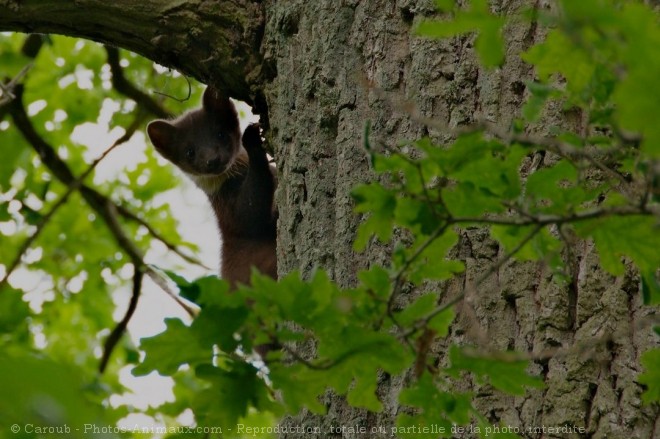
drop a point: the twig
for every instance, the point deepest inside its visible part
(538, 221)
(109, 213)
(140, 267)
(548, 143)
(159, 280)
(123, 211)
(118, 331)
(398, 278)
(545, 220)
(174, 97)
(325, 365)
(472, 286)
(123, 86)
(8, 88)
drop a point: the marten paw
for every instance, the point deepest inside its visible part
(252, 138)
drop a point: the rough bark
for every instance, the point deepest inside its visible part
(215, 41)
(342, 63)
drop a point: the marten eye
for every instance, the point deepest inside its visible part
(190, 153)
(222, 136)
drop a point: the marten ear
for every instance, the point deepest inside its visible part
(161, 134)
(216, 103)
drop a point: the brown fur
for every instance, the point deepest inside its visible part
(206, 144)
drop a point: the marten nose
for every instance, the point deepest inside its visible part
(214, 165)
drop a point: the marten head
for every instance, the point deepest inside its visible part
(204, 143)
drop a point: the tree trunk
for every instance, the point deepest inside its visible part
(340, 64)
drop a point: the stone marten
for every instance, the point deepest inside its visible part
(238, 180)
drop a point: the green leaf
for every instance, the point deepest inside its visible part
(360, 345)
(42, 392)
(380, 203)
(188, 290)
(349, 361)
(539, 95)
(300, 387)
(465, 200)
(4, 211)
(445, 5)
(651, 376)
(509, 376)
(419, 309)
(541, 246)
(16, 154)
(636, 237)
(230, 395)
(400, 164)
(377, 279)
(215, 325)
(415, 215)
(557, 54)
(554, 190)
(214, 291)
(13, 311)
(169, 350)
(363, 393)
(432, 262)
(650, 288)
(637, 95)
(544, 182)
(494, 170)
(437, 411)
(489, 44)
(441, 322)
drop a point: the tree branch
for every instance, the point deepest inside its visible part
(545, 220)
(139, 267)
(7, 89)
(328, 363)
(124, 86)
(216, 42)
(123, 211)
(118, 331)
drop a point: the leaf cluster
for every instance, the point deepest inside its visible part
(61, 268)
